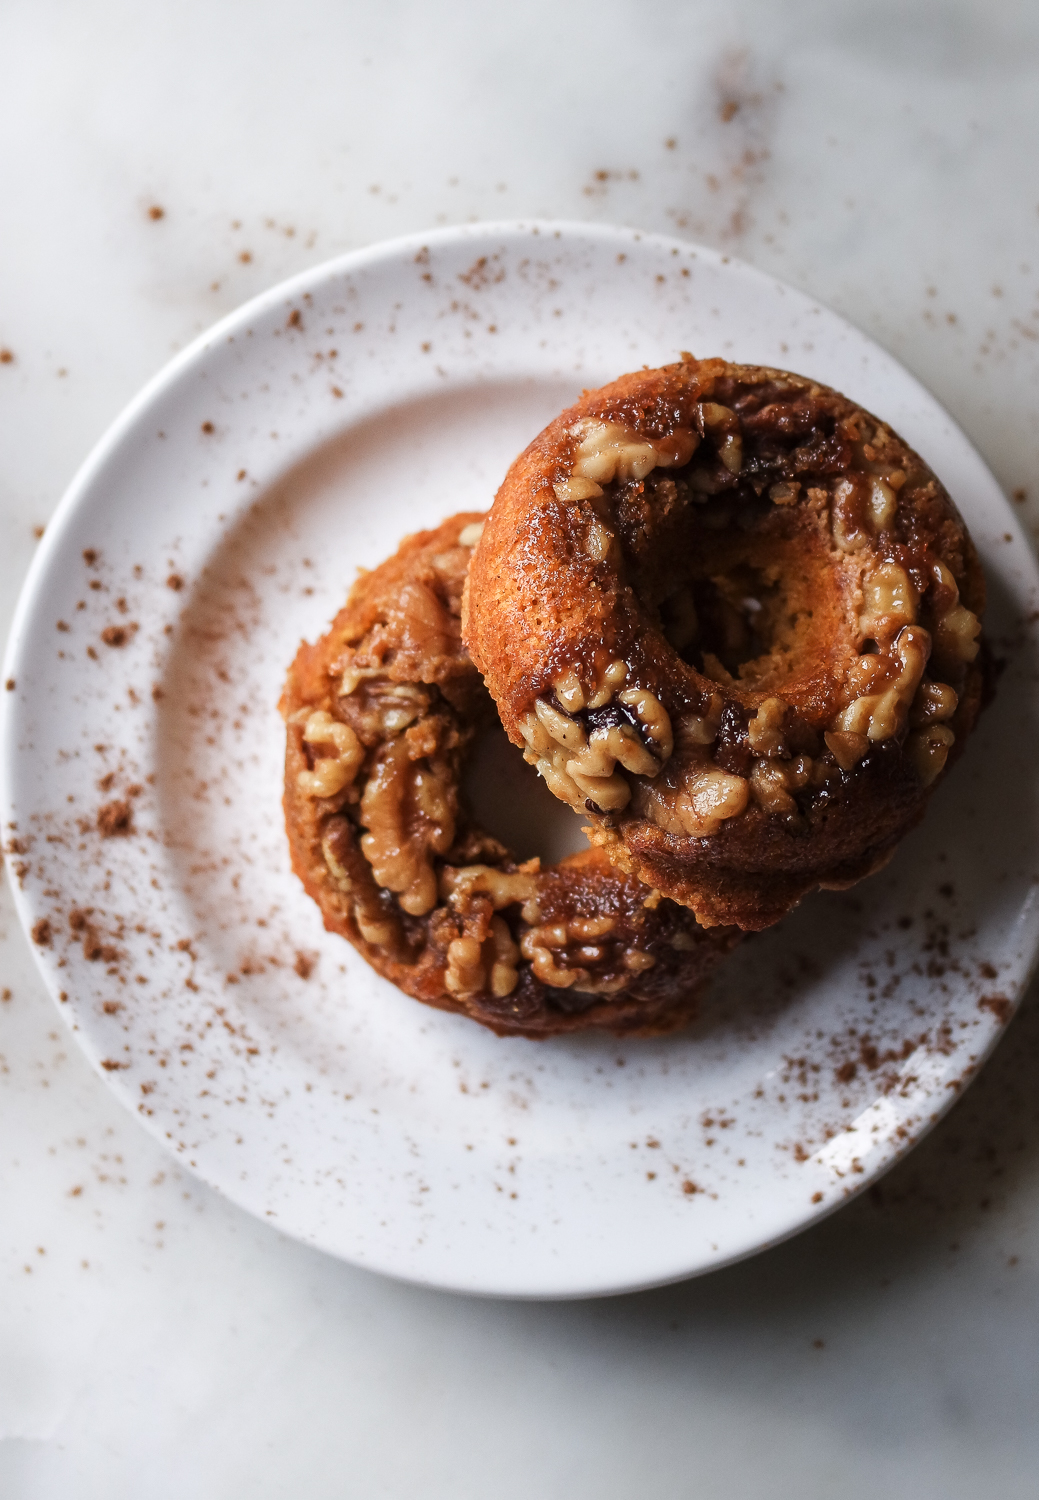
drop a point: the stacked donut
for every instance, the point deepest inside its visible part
(730, 617)
(382, 714)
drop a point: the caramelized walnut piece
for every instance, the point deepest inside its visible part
(332, 772)
(407, 811)
(880, 715)
(956, 628)
(580, 766)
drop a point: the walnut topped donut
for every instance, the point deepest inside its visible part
(735, 619)
(382, 713)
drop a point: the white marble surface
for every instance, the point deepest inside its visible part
(155, 1341)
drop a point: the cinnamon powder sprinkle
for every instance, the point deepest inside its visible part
(999, 1005)
(118, 635)
(115, 819)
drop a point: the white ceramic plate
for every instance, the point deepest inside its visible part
(228, 510)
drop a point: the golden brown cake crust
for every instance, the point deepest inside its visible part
(735, 618)
(381, 714)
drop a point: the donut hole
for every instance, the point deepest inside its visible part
(508, 798)
(735, 619)
(758, 608)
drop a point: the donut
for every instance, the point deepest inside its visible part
(381, 716)
(734, 618)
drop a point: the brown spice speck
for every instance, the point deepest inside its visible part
(208, 427)
(689, 1187)
(118, 635)
(999, 1005)
(6, 357)
(817, 1197)
(111, 1066)
(156, 212)
(41, 933)
(9, 684)
(294, 320)
(175, 582)
(115, 819)
(727, 110)
(94, 950)
(304, 965)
